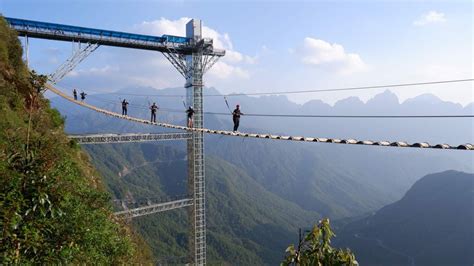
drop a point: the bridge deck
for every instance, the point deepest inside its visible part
(401, 144)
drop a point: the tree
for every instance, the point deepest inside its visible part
(315, 249)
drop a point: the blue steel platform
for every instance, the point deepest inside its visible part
(60, 32)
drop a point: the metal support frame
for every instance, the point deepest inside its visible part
(195, 145)
(27, 48)
(209, 61)
(177, 60)
(132, 137)
(196, 169)
(154, 208)
(77, 57)
(192, 67)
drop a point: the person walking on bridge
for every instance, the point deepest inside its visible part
(74, 93)
(124, 107)
(190, 113)
(83, 96)
(153, 109)
(236, 117)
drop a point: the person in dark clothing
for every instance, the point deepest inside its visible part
(153, 109)
(190, 113)
(124, 107)
(236, 117)
(74, 92)
(83, 96)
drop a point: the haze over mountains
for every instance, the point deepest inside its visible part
(433, 224)
(304, 180)
(385, 103)
(381, 165)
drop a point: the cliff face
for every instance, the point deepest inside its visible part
(53, 208)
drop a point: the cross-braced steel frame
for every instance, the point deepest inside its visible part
(192, 67)
(130, 137)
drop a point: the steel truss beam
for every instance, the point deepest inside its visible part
(154, 208)
(208, 62)
(178, 61)
(59, 32)
(77, 57)
(120, 138)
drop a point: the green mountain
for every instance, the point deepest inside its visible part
(433, 224)
(294, 171)
(53, 206)
(246, 223)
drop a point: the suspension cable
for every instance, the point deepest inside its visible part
(307, 91)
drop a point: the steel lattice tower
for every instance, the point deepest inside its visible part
(193, 66)
(196, 177)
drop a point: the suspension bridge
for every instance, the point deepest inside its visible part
(192, 56)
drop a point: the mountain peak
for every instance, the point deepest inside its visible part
(352, 101)
(426, 98)
(385, 98)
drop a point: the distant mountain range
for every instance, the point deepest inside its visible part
(389, 170)
(433, 224)
(270, 187)
(439, 130)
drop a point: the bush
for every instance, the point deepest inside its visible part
(315, 249)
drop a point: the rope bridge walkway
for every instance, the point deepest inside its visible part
(400, 144)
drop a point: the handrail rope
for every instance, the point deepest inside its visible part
(401, 144)
(171, 110)
(311, 91)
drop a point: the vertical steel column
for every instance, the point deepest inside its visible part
(196, 174)
(27, 48)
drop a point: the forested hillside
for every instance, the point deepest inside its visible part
(53, 208)
(246, 223)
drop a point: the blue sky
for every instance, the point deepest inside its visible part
(273, 45)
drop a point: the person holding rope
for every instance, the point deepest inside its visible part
(124, 107)
(74, 92)
(236, 117)
(83, 96)
(190, 113)
(153, 109)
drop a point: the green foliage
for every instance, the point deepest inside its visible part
(49, 217)
(37, 81)
(315, 249)
(53, 209)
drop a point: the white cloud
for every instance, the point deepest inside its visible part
(430, 18)
(223, 70)
(330, 56)
(94, 71)
(220, 40)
